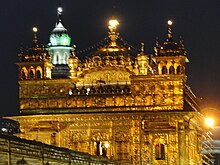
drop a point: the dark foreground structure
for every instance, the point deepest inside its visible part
(19, 151)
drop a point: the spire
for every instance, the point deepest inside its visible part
(156, 48)
(181, 43)
(169, 34)
(113, 35)
(35, 37)
(142, 47)
(157, 42)
(21, 49)
(182, 46)
(59, 14)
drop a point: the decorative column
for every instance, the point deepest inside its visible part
(182, 144)
(142, 61)
(73, 63)
(136, 142)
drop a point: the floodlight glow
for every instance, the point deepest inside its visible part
(209, 122)
(106, 145)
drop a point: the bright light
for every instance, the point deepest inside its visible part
(4, 130)
(209, 122)
(106, 145)
(34, 29)
(60, 9)
(70, 92)
(170, 22)
(113, 23)
(88, 90)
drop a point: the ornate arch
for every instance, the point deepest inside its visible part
(164, 70)
(31, 73)
(24, 73)
(159, 149)
(179, 69)
(39, 72)
(171, 70)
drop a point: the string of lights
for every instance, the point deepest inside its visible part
(93, 47)
(102, 43)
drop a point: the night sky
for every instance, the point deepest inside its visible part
(197, 22)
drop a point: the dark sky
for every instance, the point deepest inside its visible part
(140, 21)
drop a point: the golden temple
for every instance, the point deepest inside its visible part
(118, 102)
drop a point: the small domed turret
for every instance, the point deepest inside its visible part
(59, 36)
(114, 52)
(170, 55)
(60, 48)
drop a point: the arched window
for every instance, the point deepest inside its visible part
(101, 148)
(53, 139)
(171, 70)
(159, 151)
(65, 59)
(164, 70)
(57, 58)
(104, 150)
(31, 74)
(38, 74)
(179, 70)
(97, 148)
(23, 75)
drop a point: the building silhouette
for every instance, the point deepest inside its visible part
(118, 102)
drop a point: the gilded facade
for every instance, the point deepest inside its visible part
(118, 102)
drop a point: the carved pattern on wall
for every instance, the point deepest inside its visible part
(78, 136)
(136, 126)
(151, 100)
(123, 132)
(97, 135)
(107, 76)
(146, 149)
(121, 136)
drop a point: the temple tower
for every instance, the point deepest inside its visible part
(60, 48)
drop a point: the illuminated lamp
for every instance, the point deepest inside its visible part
(170, 22)
(35, 29)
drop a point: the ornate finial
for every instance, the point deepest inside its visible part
(113, 23)
(157, 41)
(142, 47)
(181, 43)
(169, 35)
(21, 48)
(156, 48)
(59, 13)
(182, 46)
(35, 37)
